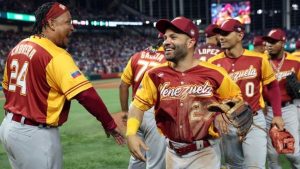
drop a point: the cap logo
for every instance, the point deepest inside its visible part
(239, 29)
(224, 23)
(271, 32)
(63, 7)
(192, 32)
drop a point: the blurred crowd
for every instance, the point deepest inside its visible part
(97, 53)
(94, 53)
(92, 13)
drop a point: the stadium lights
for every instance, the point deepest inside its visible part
(31, 18)
(119, 23)
(19, 17)
(82, 22)
(295, 7)
(259, 11)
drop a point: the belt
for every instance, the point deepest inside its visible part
(198, 145)
(18, 118)
(283, 104)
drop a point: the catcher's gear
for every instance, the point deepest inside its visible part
(293, 86)
(237, 112)
(282, 141)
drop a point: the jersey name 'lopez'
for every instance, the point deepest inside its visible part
(155, 56)
(25, 49)
(208, 51)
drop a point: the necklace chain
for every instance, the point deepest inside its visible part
(277, 68)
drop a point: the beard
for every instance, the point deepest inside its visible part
(179, 53)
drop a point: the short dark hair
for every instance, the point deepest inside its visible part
(40, 15)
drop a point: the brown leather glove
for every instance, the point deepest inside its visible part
(282, 141)
(238, 113)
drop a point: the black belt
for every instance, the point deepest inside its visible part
(18, 118)
(283, 104)
(189, 147)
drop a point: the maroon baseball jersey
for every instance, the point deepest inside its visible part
(283, 67)
(41, 79)
(139, 64)
(206, 51)
(181, 98)
(250, 71)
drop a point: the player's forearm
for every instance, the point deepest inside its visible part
(135, 117)
(91, 101)
(124, 95)
(275, 97)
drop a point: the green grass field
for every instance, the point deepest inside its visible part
(85, 145)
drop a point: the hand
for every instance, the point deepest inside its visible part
(134, 145)
(116, 133)
(222, 123)
(278, 121)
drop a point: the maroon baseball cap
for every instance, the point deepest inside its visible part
(230, 25)
(181, 23)
(209, 30)
(258, 41)
(275, 35)
(298, 44)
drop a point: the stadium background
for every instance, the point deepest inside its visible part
(107, 34)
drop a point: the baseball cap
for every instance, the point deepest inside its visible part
(258, 41)
(181, 23)
(298, 44)
(209, 30)
(230, 25)
(275, 35)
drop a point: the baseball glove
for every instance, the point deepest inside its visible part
(238, 113)
(293, 86)
(282, 141)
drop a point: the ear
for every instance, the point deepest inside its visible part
(51, 24)
(191, 42)
(241, 35)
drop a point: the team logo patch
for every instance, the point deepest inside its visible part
(76, 74)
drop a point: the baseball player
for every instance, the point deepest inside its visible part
(210, 48)
(258, 44)
(283, 64)
(180, 90)
(132, 76)
(39, 82)
(250, 70)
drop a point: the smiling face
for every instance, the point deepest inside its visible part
(63, 29)
(176, 45)
(229, 40)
